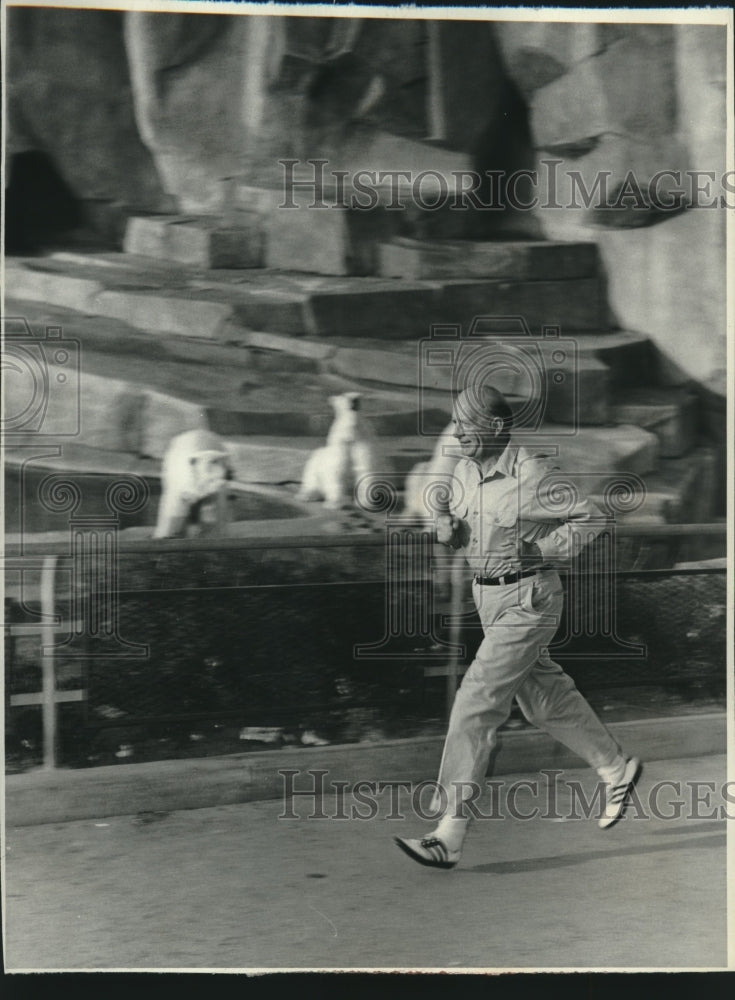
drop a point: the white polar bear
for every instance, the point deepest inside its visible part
(347, 460)
(428, 485)
(195, 470)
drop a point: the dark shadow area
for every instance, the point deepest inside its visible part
(564, 861)
(39, 204)
(503, 149)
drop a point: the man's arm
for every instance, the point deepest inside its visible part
(547, 495)
(450, 530)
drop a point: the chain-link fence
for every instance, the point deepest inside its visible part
(201, 664)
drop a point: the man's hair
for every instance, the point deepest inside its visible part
(480, 404)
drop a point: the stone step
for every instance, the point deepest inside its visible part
(376, 366)
(200, 241)
(342, 241)
(519, 260)
(572, 390)
(628, 356)
(132, 393)
(318, 231)
(174, 300)
(671, 414)
(183, 301)
(593, 368)
(137, 392)
(336, 225)
(296, 413)
(398, 161)
(575, 304)
(602, 453)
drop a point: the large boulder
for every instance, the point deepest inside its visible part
(615, 105)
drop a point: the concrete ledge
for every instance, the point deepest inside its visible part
(163, 786)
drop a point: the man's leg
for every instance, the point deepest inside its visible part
(550, 700)
(511, 647)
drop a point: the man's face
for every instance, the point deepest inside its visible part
(477, 440)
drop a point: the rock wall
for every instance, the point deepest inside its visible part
(137, 106)
(218, 96)
(640, 98)
(69, 97)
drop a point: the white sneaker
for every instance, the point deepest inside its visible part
(616, 796)
(430, 851)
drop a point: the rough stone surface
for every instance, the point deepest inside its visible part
(603, 451)
(135, 107)
(38, 283)
(112, 415)
(216, 94)
(521, 261)
(184, 70)
(628, 88)
(330, 241)
(164, 313)
(69, 96)
(537, 53)
(666, 271)
(615, 181)
(682, 490)
(206, 242)
(163, 384)
(669, 414)
(573, 391)
(465, 82)
(573, 304)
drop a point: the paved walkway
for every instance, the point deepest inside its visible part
(238, 887)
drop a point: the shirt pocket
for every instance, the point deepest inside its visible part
(505, 507)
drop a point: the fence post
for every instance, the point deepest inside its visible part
(48, 662)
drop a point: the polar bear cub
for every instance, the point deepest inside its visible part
(349, 457)
(195, 468)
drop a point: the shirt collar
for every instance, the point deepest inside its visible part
(503, 465)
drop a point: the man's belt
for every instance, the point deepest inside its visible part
(496, 581)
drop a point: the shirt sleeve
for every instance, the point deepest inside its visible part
(569, 520)
(458, 490)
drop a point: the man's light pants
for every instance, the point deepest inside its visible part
(519, 621)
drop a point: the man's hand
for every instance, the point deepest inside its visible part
(446, 529)
(531, 555)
